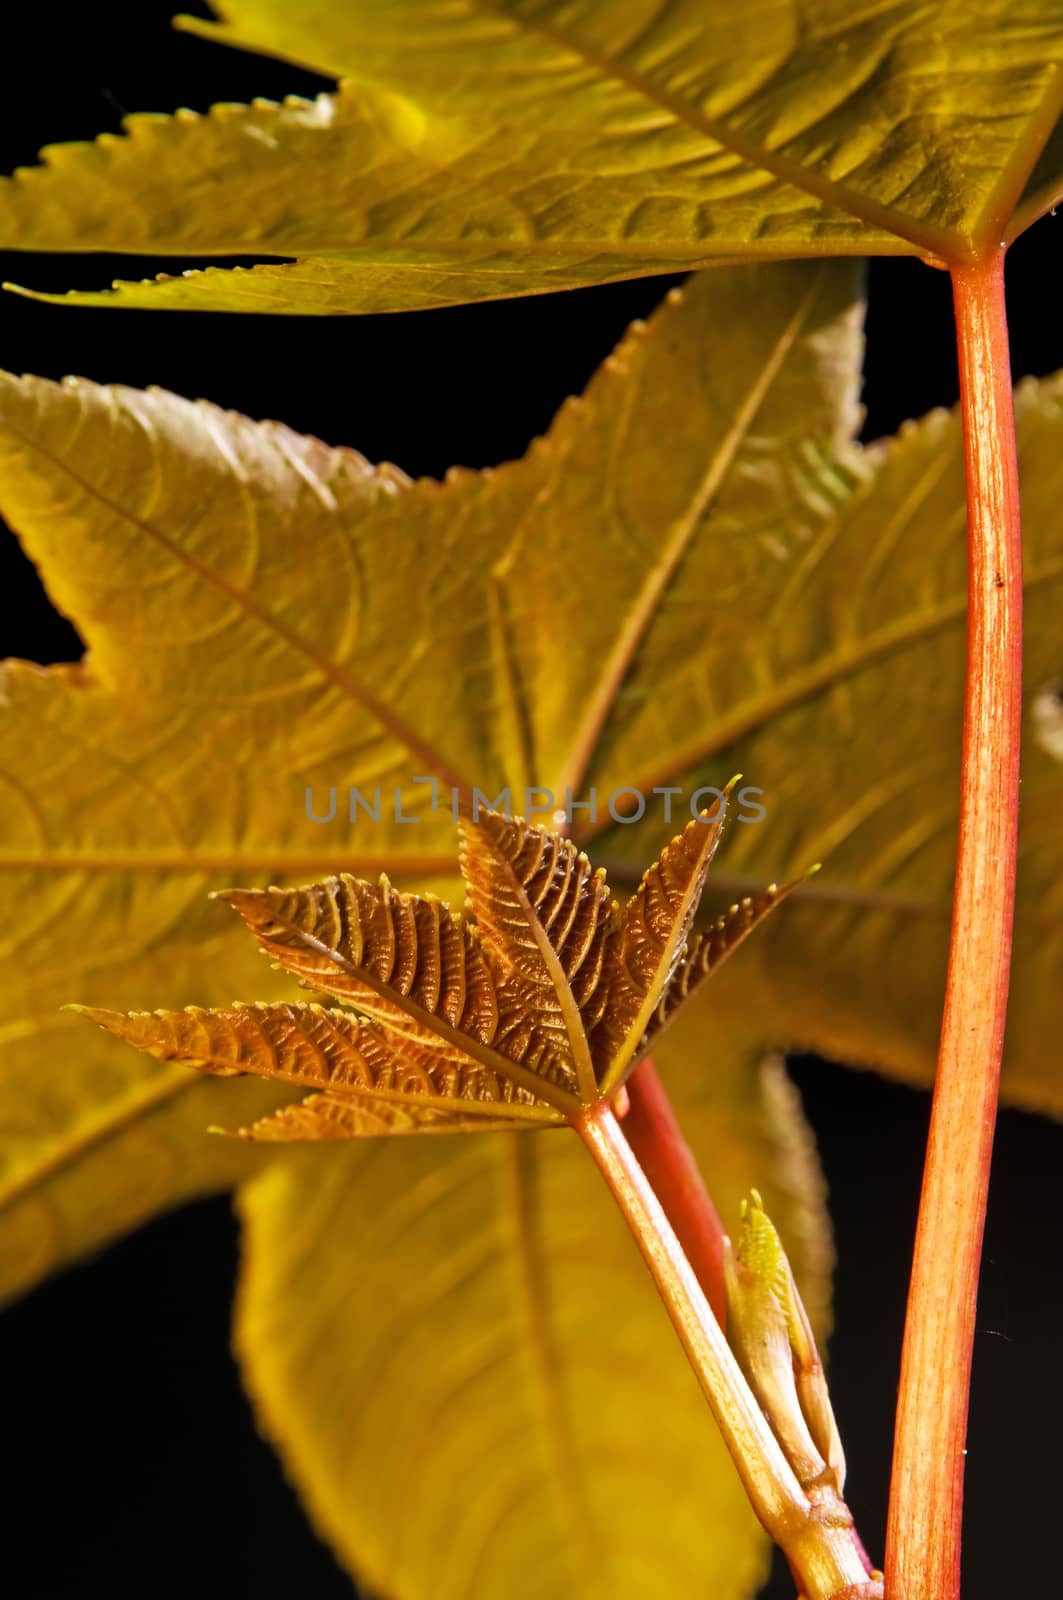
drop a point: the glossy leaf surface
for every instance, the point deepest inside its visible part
(515, 147)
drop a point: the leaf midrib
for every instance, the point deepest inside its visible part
(918, 235)
(825, 674)
(482, 1055)
(860, 207)
(600, 702)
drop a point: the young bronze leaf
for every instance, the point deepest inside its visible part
(545, 916)
(642, 954)
(320, 1047)
(448, 1022)
(352, 1115)
(482, 150)
(707, 951)
(391, 954)
(406, 960)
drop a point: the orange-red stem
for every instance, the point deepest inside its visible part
(926, 1494)
(654, 1134)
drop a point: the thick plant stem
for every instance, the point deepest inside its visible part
(654, 1134)
(814, 1530)
(926, 1495)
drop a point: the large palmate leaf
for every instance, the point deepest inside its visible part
(616, 611)
(500, 147)
(320, 624)
(226, 649)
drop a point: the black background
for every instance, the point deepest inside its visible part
(131, 1457)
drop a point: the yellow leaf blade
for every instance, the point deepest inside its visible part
(506, 150)
(382, 204)
(372, 282)
(922, 125)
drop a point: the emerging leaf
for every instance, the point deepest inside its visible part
(772, 1337)
(650, 945)
(331, 1049)
(546, 920)
(491, 1018)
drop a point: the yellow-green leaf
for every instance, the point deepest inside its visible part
(921, 124)
(696, 532)
(466, 1408)
(504, 147)
(320, 625)
(348, 184)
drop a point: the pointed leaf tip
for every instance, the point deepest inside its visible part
(649, 942)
